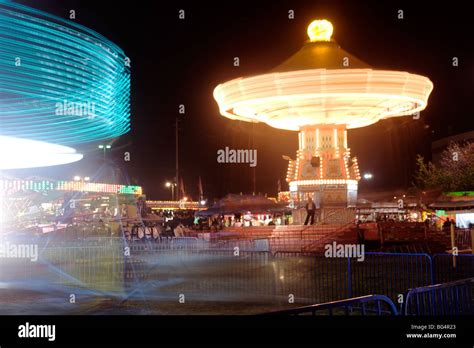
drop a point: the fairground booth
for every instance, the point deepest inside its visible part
(43, 206)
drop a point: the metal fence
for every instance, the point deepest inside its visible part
(388, 273)
(97, 264)
(364, 305)
(90, 264)
(311, 278)
(233, 271)
(463, 238)
(220, 275)
(453, 298)
(447, 267)
(306, 277)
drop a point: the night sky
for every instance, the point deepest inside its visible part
(181, 61)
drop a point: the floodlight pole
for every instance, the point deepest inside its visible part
(104, 148)
(177, 160)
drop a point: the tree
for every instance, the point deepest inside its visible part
(454, 173)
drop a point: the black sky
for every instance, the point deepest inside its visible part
(181, 61)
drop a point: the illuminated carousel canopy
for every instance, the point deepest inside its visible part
(323, 85)
(321, 91)
(16, 153)
(60, 83)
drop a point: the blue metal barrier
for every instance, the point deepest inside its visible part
(331, 279)
(453, 298)
(364, 305)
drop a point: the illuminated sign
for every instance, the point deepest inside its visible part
(72, 186)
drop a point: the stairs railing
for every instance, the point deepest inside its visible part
(342, 228)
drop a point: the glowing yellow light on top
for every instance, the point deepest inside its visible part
(320, 30)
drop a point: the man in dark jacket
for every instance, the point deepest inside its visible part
(310, 210)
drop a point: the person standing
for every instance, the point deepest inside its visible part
(310, 210)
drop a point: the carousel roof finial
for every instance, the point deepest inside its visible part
(320, 30)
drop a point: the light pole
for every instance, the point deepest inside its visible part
(104, 148)
(368, 176)
(82, 179)
(177, 158)
(171, 185)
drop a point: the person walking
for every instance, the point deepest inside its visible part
(310, 210)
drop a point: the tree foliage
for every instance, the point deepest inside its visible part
(454, 173)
